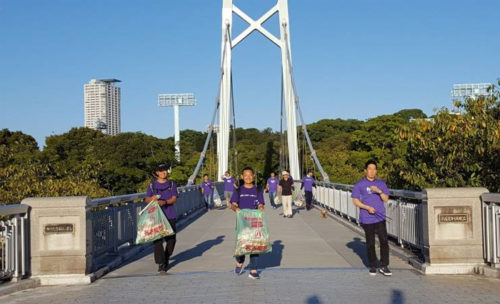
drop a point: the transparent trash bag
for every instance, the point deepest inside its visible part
(298, 198)
(152, 224)
(217, 200)
(252, 233)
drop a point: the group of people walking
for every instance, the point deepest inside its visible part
(369, 194)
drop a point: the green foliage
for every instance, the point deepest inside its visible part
(409, 114)
(454, 150)
(412, 152)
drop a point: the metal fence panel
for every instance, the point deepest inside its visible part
(343, 203)
(14, 242)
(113, 220)
(336, 198)
(491, 228)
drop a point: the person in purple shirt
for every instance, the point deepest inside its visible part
(370, 194)
(247, 197)
(167, 191)
(207, 189)
(229, 186)
(308, 183)
(272, 188)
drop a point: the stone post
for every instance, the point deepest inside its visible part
(452, 225)
(60, 252)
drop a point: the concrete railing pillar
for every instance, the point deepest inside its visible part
(452, 224)
(60, 252)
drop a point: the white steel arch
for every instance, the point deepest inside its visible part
(283, 43)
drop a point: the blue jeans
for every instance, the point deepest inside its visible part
(253, 261)
(209, 202)
(272, 195)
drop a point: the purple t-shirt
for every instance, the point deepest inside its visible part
(228, 184)
(166, 191)
(207, 187)
(362, 192)
(272, 183)
(248, 198)
(308, 183)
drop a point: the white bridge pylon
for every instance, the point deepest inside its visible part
(228, 44)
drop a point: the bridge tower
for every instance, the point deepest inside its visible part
(281, 7)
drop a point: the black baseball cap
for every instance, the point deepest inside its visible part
(162, 167)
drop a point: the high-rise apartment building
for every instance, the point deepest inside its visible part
(102, 106)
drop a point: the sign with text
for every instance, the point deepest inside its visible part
(453, 218)
(59, 228)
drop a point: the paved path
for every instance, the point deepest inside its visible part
(314, 260)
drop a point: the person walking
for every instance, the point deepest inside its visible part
(308, 183)
(247, 197)
(167, 191)
(285, 190)
(229, 186)
(272, 188)
(207, 189)
(370, 194)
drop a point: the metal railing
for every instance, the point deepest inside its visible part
(14, 242)
(404, 210)
(113, 220)
(491, 228)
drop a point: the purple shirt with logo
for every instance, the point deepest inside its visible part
(207, 187)
(308, 183)
(228, 184)
(272, 183)
(248, 198)
(166, 191)
(362, 192)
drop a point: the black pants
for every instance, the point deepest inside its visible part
(162, 254)
(309, 198)
(370, 231)
(253, 261)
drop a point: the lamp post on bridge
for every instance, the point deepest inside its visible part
(175, 101)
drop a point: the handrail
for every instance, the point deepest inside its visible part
(13, 209)
(14, 242)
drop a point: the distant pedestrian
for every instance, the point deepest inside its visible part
(272, 188)
(370, 194)
(207, 189)
(285, 190)
(229, 187)
(247, 197)
(167, 190)
(308, 183)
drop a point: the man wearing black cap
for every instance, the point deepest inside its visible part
(167, 190)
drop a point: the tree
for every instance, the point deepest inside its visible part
(454, 150)
(410, 114)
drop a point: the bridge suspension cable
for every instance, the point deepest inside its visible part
(297, 105)
(203, 153)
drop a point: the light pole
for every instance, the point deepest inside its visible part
(175, 101)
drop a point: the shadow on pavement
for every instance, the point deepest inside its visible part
(272, 259)
(397, 297)
(359, 247)
(196, 251)
(313, 300)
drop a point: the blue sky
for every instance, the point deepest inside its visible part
(352, 59)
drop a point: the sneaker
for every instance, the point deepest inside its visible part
(239, 270)
(373, 271)
(385, 271)
(254, 276)
(162, 268)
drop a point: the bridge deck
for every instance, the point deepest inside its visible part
(314, 260)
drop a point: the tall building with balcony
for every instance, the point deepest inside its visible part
(102, 106)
